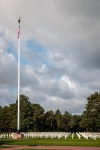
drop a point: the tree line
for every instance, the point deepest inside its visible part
(34, 118)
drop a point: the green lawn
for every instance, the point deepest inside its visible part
(54, 142)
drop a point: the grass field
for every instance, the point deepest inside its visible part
(52, 142)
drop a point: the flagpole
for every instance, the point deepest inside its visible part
(18, 115)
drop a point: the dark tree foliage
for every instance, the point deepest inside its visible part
(75, 123)
(26, 114)
(5, 119)
(66, 119)
(13, 116)
(38, 117)
(0, 118)
(49, 121)
(34, 118)
(91, 115)
(58, 118)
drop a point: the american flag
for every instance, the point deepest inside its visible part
(18, 32)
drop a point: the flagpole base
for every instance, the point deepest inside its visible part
(18, 136)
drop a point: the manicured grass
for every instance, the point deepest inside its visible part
(52, 142)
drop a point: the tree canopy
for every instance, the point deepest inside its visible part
(91, 115)
(34, 118)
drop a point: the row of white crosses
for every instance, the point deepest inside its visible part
(58, 135)
(87, 135)
(6, 135)
(46, 134)
(92, 135)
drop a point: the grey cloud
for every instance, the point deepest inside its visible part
(7, 96)
(8, 72)
(70, 33)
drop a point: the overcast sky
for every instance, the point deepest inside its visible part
(60, 52)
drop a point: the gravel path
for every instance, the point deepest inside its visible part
(51, 147)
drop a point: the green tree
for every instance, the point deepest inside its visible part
(49, 120)
(91, 115)
(38, 117)
(13, 117)
(58, 118)
(5, 119)
(83, 122)
(66, 117)
(75, 123)
(0, 118)
(26, 114)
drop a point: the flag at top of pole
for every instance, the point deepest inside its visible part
(19, 20)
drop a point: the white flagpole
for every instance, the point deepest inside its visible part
(18, 115)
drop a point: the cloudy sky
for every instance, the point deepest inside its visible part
(60, 52)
